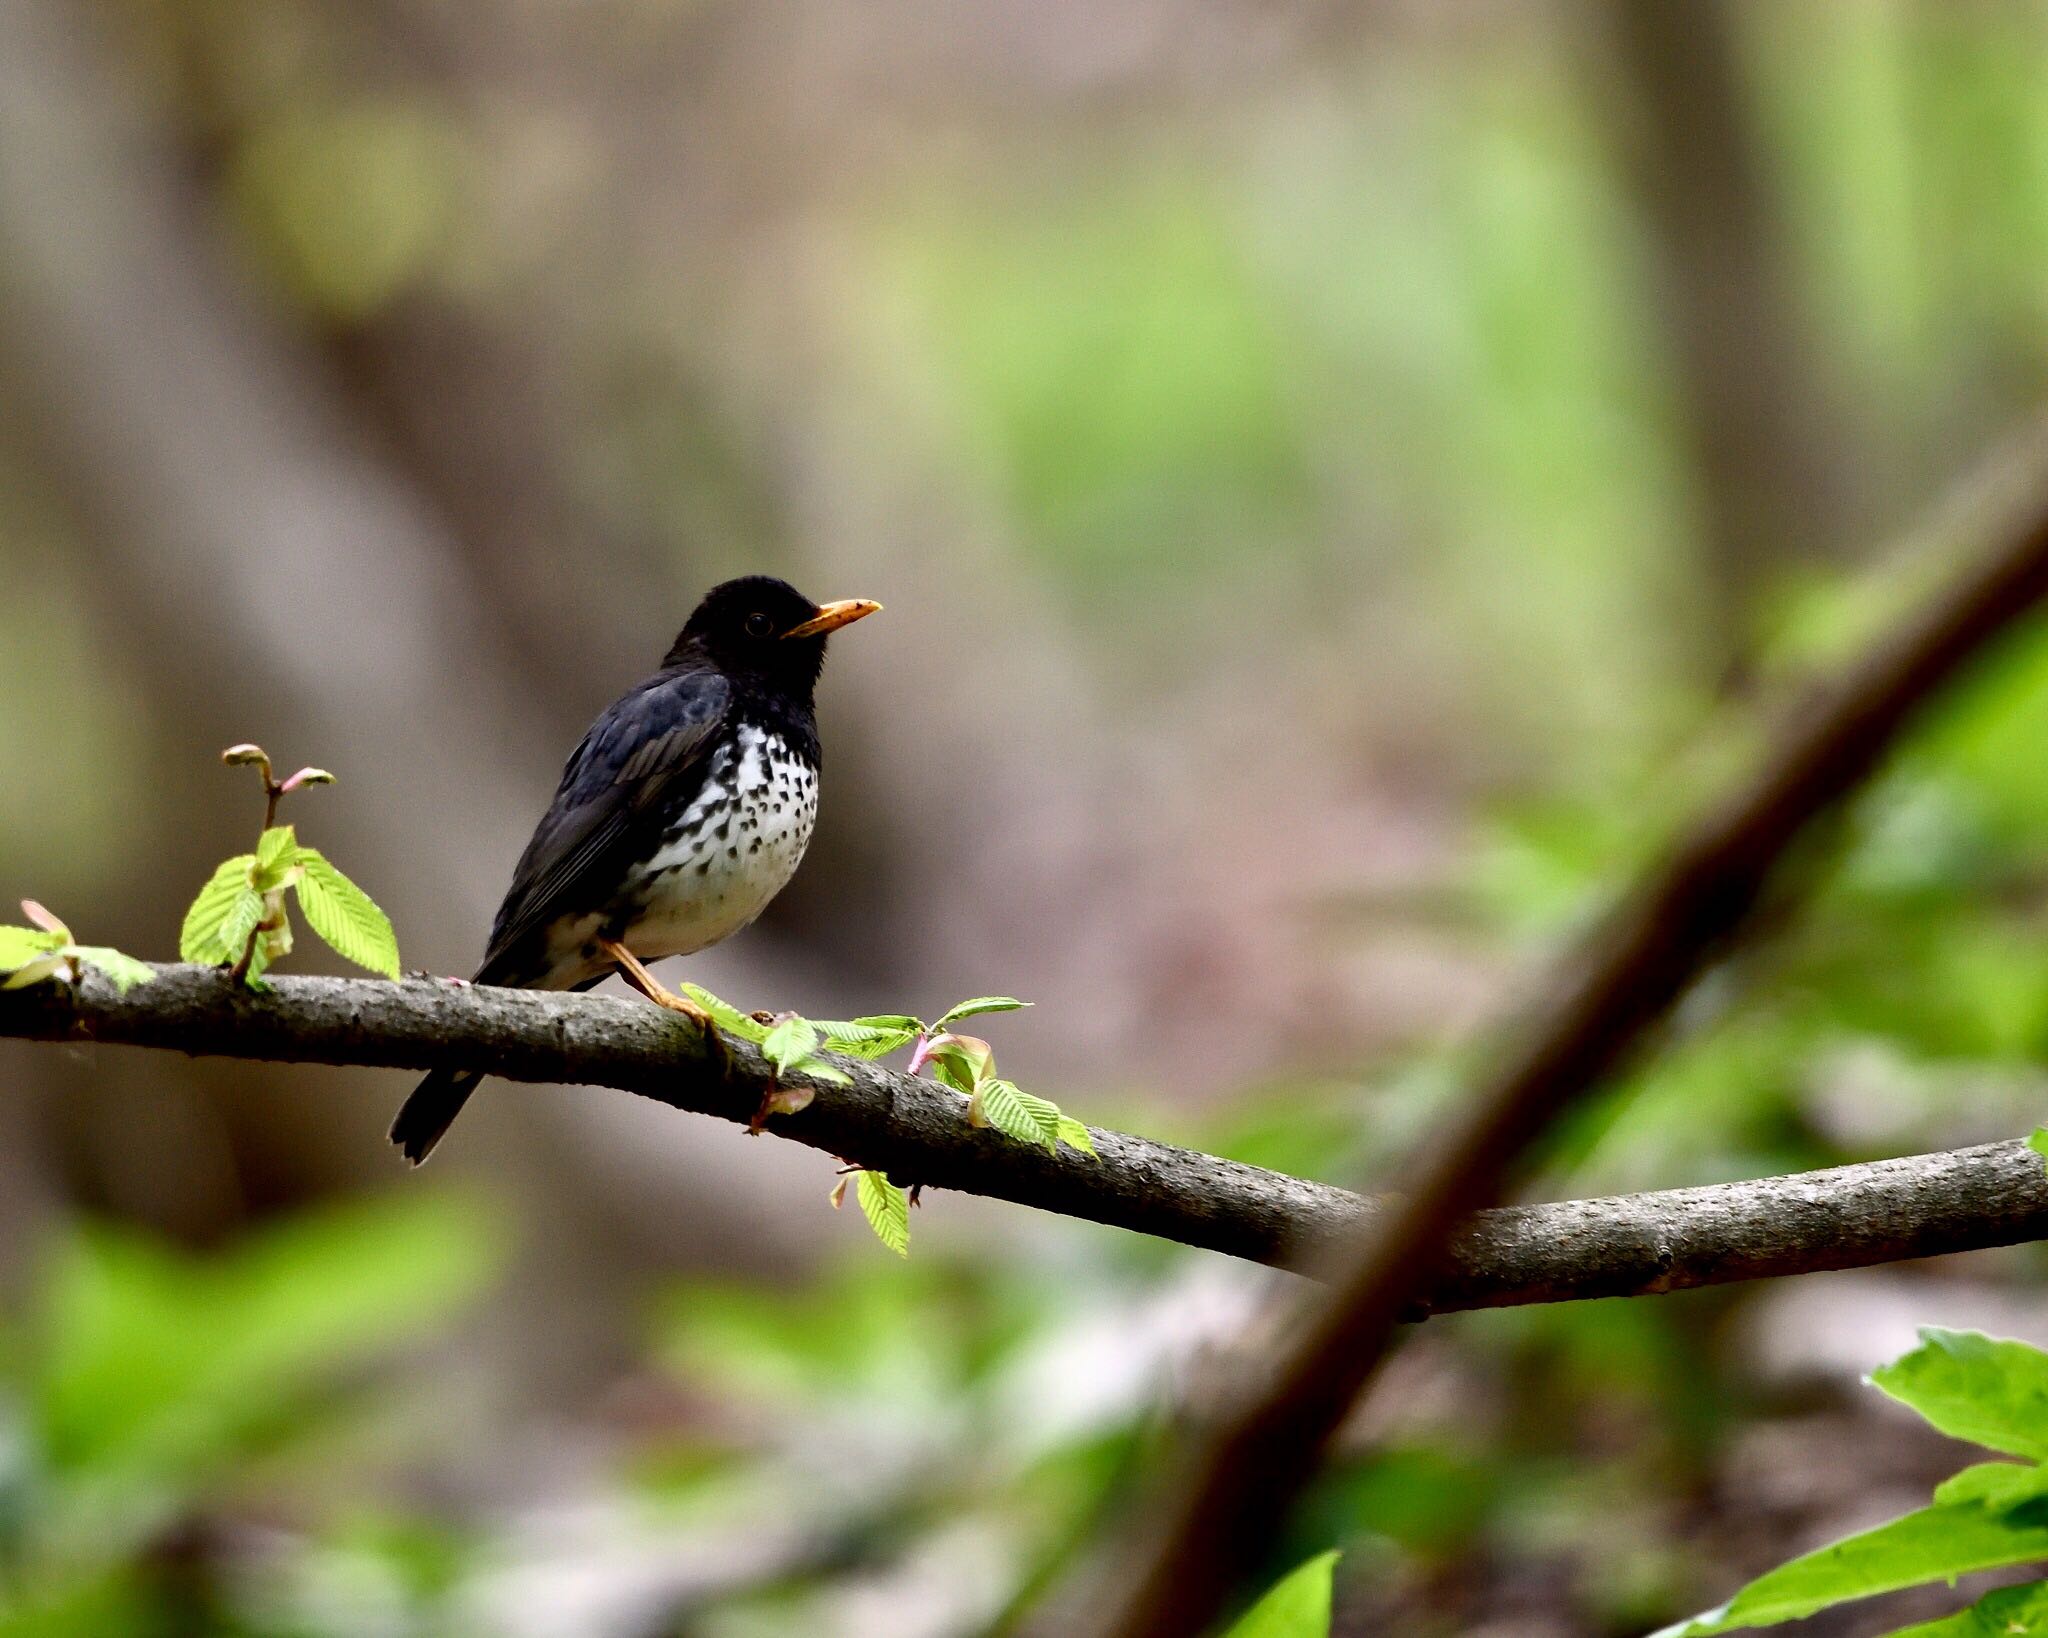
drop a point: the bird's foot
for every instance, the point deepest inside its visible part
(647, 984)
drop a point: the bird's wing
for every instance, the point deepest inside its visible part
(634, 756)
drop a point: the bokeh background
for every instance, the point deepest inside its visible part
(1343, 477)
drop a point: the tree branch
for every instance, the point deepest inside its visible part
(1223, 1499)
(1625, 1245)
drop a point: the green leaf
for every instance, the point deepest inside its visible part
(2039, 1142)
(2007, 1613)
(980, 1004)
(869, 1037)
(21, 945)
(2000, 1486)
(789, 1043)
(819, 1070)
(1016, 1113)
(345, 916)
(1987, 1390)
(125, 971)
(1297, 1606)
(239, 923)
(198, 939)
(1935, 1543)
(274, 855)
(1075, 1136)
(887, 1209)
(727, 1016)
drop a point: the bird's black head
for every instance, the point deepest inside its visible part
(762, 627)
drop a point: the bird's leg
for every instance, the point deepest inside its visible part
(648, 985)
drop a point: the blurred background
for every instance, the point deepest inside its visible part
(1343, 477)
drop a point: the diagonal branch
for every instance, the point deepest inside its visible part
(1218, 1510)
(1626, 1245)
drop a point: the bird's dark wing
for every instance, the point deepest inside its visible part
(645, 747)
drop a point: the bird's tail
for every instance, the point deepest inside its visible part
(431, 1110)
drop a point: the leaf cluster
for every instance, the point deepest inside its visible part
(239, 916)
(1991, 1392)
(45, 951)
(966, 1063)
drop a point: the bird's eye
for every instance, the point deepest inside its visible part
(759, 625)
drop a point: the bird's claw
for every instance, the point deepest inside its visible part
(631, 969)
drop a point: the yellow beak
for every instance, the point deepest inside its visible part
(831, 616)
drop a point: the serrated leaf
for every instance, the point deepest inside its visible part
(819, 1070)
(345, 916)
(239, 923)
(868, 1037)
(979, 1004)
(198, 939)
(727, 1016)
(2038, 1142)
(1075, 1136)
(21, 945)
(274, 851)
(888, 1021)
(1297, 1605)
(1987, 1390)
(887, 1209)
(789, 1043)
(34, 972)
(1016, 1113)
(124, 970)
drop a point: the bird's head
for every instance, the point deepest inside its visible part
(763, 627)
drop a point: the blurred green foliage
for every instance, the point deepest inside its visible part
(149, 1394)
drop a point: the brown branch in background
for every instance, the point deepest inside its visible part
(1625, 1245)
(1745, 412)
(1223, 1502)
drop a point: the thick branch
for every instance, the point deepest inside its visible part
(1627, 1245)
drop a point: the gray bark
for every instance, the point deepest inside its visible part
(915, 1129)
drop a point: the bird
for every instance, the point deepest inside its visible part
(683, 812)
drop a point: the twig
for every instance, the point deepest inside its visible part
(1623, 1245)
(1225, 1498)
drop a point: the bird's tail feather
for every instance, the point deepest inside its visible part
(425, 1116)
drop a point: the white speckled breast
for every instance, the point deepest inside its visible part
(730, 852)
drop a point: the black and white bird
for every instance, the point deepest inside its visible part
(684, 811)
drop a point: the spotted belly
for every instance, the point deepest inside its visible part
(717, 865)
